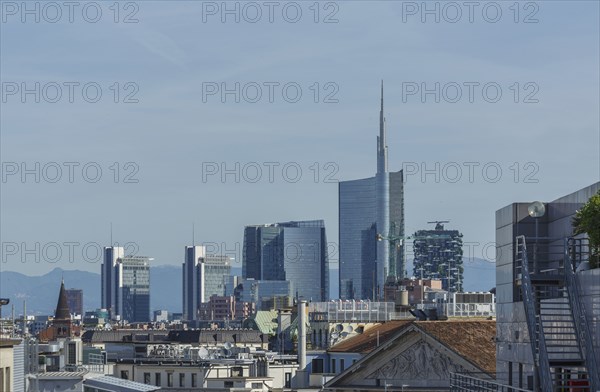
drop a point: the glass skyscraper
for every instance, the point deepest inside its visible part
(369, 207)
(126, 285)
(203, 276)
(292, 251)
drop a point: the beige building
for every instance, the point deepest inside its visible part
(6, 363)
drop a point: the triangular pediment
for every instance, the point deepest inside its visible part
(421, 360)
(413, 357)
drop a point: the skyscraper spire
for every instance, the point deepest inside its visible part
(381, 140)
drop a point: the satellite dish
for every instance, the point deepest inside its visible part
(202, 353)
(339, 327)
(344, 334)
(335, 335)
(349, 329)
(228, 345)
(536, 209)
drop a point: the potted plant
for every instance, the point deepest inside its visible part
(587, 221)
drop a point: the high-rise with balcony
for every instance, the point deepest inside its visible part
(438, 255)
(203, 276)
(368, 207)
(126, 285)
(294, 251)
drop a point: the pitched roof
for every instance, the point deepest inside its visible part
(62, 307)
(474, 340)
(367, 341)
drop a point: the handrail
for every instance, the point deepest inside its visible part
(534, 322)
(581, 324)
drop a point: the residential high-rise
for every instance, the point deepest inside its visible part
(292, 251)
(203, 276)
(367, 208)
(438, 255)
(75, 300)
(126, 285)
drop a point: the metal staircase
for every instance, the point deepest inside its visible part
(559, 332)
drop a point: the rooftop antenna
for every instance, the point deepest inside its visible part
(193, 234)
(111, 237)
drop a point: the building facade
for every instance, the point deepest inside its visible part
(289, 251)
(126, 285)
(515, 359)
(367, 208)
(438, 255)
(203, 276)
(75, 300)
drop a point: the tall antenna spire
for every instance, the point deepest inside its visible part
(193, 234)
(111, 238)
(381, 140)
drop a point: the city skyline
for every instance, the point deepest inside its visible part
(419, 133)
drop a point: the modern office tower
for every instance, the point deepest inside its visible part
(126, 285)
(292, 251)
(203, 276)
(108, 290)
(367, 208)
(438, 255)
(75, 300)
(568, 320)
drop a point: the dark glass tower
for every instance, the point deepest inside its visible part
(368, 207)
(292, 251)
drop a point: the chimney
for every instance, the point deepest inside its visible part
(302, 375)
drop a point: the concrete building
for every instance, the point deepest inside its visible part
(543, 247)
(203, 276)
(251, 375)
(294, 251)
(7, 363)
(367, 208)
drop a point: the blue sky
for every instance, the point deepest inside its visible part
(168, 135)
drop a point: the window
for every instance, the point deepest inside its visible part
(125, 374)
(72, 360)
(147, 378)
(520, 375)
(228, 384)
(157, 379)
(182, 379)
(194, 380)
(257, 385)
(237, 371)
(342, 365)
(169, 379)
(317, 366)
(510, 378)
(288, 380)
(333, 365)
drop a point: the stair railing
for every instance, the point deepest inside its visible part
(534, 320)
(582, 327)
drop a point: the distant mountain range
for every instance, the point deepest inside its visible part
(41, 292)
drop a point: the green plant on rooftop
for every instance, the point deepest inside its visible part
(587, 221)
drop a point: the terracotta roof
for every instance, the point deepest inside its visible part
(473, 340)
(367, 341)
